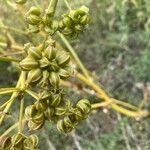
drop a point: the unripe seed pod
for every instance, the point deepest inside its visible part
(45, 80)
(48, 29)
(63, 58)
(73, 119)
(44, 62)
(84, 105)
(33, 29)
(54, 26)
(67, 21)
(50, 52)
(55, 101)
(34, 11)
(45, 95)
(41, 105)
(47, 20)
(61, 24)
(49, 113)
(5, 143)
(67, 31)
(34, 75)
(78, 29)
(50, 42)
(31, 142)
(65, 73)
(59, 111)
(54, 79)
(33, 19)
(54, 66)
(63, 108)
(26, 47)
(68, 123)
(60, 126)
(21, 1)
(28, 64)
(30, 111)
(35, 52)
(45, 74)
(79, 115)
(38, 117)
(73, 15)
(35, 126)
(85, 20)
(83, 10)
(17, 140)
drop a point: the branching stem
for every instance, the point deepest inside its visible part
(13, 97)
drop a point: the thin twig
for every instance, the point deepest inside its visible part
(124, 133)
(67, 4)
(75, 139)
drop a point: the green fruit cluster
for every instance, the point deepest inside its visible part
(38, 22)
(74, 22)
(75, 116)
(53, 106)
(46, 64)
(33, 18)
(44, 109)
(19, 142)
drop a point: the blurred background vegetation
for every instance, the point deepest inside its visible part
(115, 47)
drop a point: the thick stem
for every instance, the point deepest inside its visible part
(74, 55)
(9, 59)
(8, 90)
(21, 115)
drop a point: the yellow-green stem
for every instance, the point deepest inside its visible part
(101, 104)
(12, 128)
(12, 98)
(9, 130)
(21, 115)
(67, 4)
(9, 59)
(8, 90)
(102, 94)
(33, 94)
(7, 102)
